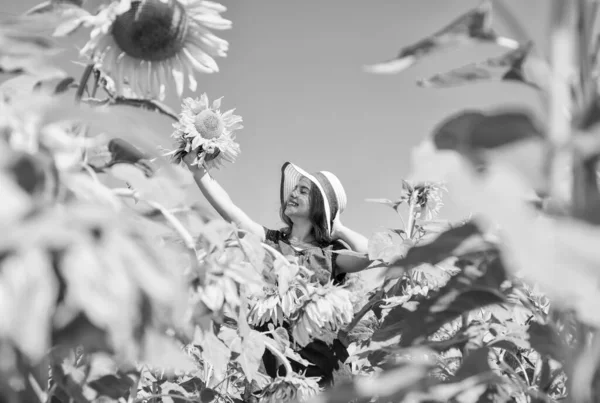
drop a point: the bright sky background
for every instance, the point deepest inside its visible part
(294, 74)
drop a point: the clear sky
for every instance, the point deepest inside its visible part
(294, 74)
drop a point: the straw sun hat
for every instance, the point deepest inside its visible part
(327, 183)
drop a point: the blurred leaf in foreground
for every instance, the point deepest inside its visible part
(515, 66)
(471, 27)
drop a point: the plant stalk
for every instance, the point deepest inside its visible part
(282, 358)
(560, 106)
(188, 239)
(87, 73)
(411, 217)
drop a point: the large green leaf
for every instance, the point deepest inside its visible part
(392, 324)
(470, 130)
(474, 26)
(216, 353)
(546, 340)
(113, 386)
(515, 66)
(123, 151)
(251, 349)
(474, 364)
(462, 239)
(391, 384)
(386, 246)
(466, 291)
(207, 395)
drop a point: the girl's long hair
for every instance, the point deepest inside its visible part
(317, 217)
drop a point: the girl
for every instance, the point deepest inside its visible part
(310, 207)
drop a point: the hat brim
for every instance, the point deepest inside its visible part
(290, 176)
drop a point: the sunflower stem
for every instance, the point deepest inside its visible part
(585, 15)
(85, 77)
(411, 217)
(96, 83)
(37, 389)
(187, 238)
(559, 123)
(148, 104)
(283, 358)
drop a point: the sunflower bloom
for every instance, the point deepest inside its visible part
(203, 129)
(265, 310)
(327, 310)
(144, 45)
(276, 306)
(427, 197)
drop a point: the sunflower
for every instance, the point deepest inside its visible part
(276, 305)
(328, 309)
(265, 310)
(203, 129)
(426, 196)
(141, 44)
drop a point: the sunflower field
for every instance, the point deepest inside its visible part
(112, 289)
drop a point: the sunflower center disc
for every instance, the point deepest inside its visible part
(208, 124)
(151, 30)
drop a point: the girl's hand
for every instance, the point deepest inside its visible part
(189, 158)
(337, 228)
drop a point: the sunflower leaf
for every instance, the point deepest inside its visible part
(387, 246)
(215, 353)
(392, 203)
(162, 351)
(444, 246)
(113, 386)
(251, 350)
(464, 292)
(546, 340)
(148, 104)
(170, 391)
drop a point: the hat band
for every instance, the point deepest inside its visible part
(329, 196)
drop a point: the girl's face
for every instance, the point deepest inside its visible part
(298, 202)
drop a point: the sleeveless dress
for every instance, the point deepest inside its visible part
(322, 261)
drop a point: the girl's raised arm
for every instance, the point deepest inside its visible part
(220, 200)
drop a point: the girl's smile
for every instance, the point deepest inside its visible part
(298, 203)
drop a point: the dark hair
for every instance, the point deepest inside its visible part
(317, 217)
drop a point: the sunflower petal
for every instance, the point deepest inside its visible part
(207, 41)
(193, 84)
(148, 81)
(178, 74)
(204, 101)
(141, 75)
(195, 63)
(217, 7)
(109, 59)
(228, 114)
(163, 73)
(202, 57)
(213, 21)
